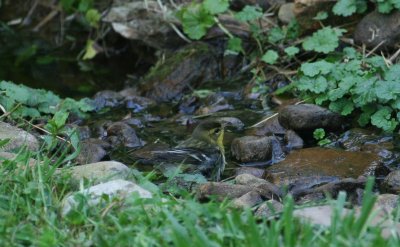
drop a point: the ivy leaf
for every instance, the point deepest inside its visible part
(235, 45)
(216, 6)
(385, 7)
(322, 15)
(365, 116)
(315, 85)
(324, 40)
(270, 57)
(383, 119)
(292, 50)
(387, 90)
(343, 106)
(249, 13)
(276, 34)
(393, 73)
(345, 7)
(320, 67)
(363, 93)
(195, 21)
(90, 51)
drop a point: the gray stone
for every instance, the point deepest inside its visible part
(286, 13)
(99, 172)
(387, 202)
(269, 208)
(293, 140)
(391, 183)
(256, 172)
(309, 117)
(252, 148)
(120, 189)
(18, 138)
(247, 200)
(91, 152)
(120, 133)
(376, 28)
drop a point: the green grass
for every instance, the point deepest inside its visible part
(30, 199)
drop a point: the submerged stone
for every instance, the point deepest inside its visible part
(317, 161)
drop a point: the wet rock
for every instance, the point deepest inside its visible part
(138, 103)
(135, 122)
(84, 132)
(311, 162)
(265, 188)
(301, 184)
(354, 139)
(349, 185)
(119, 188)
(232, 122)
(375, 28)
(122, 134)
(185, 70)
(391, 183)
(189, 105)
(308, 117)
(141, 20)
(18, 138)
(269, 208)
(98, 172)
(222, 191)
(256, 172)
(269, 127)
(214, 103)
(107, 98)
(286, 13)
(91, 151)
(247, 200)
(252, 148)
(293, 141)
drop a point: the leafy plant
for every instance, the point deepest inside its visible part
(320, 135)
(23, 101)
(349, 7)
(366, 87)
(324, 40)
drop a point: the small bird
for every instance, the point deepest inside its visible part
(202, 153)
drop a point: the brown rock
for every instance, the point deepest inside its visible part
(269, 208)
(247, 200)
(391, 183)
(256, 172)
(311, 162)
(252, 148)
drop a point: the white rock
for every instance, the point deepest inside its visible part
(116, 188)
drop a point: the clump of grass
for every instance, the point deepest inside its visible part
(31, 196)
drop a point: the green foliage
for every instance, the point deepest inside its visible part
(291, 51)
(365, 85)
(349, 7)
(27, 102)
(320, 135)
(324, 40)
(196, 20)
(249, 13)
(270, 57)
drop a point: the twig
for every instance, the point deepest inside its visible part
(394, 56)
(375, 48)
